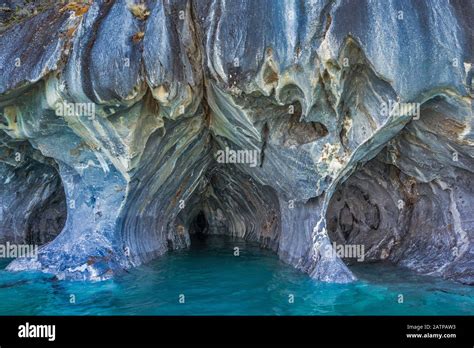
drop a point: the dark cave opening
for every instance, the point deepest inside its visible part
(230, 203)
(32, 199)
(48, 214)
(199, 226)
(48, 219)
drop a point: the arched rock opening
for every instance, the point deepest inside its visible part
(410, 204)
(32, 199)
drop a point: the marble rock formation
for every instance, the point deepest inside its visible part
(128, 126)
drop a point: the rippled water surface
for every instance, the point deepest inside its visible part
(214, 281)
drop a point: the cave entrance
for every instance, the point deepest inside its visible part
(231, 204)
(200, 227)
(34, 208)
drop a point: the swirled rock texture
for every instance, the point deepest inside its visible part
(351, 121)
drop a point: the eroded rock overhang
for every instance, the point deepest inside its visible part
(299, 84)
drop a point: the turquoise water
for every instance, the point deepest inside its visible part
(214, 281)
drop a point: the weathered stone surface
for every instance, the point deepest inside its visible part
(299, 85)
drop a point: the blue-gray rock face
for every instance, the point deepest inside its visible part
(292, 123)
